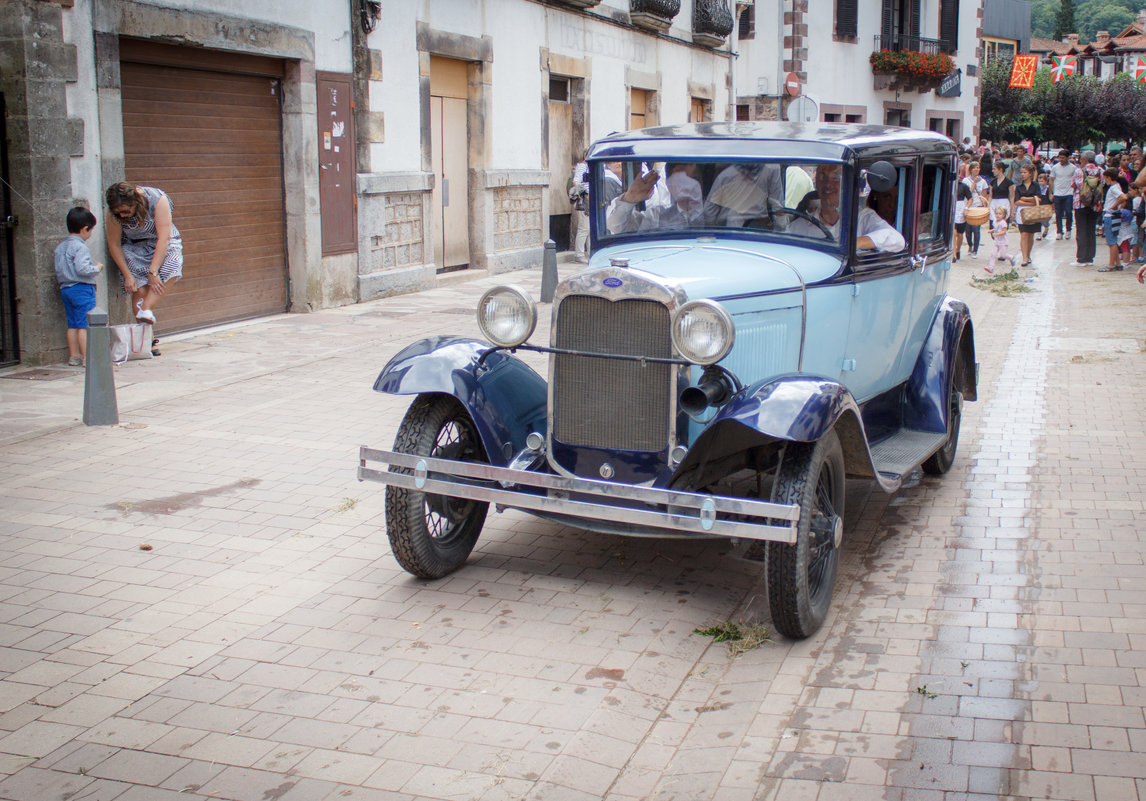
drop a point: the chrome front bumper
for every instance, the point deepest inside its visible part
(668, 510)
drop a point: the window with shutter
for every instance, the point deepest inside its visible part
(949, 25)
(887, 25)
(747, 29)
(847, 18)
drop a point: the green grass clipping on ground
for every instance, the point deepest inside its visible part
(1002, 284)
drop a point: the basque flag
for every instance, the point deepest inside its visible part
(1138, 69)
(1064, 66)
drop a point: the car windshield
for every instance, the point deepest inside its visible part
(791, 199)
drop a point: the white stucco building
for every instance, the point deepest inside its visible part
(826, 45)
(323, 152)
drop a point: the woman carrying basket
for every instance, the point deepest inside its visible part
(975, 212)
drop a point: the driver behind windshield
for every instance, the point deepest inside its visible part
(872, 231)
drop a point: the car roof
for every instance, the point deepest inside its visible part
(828, 141)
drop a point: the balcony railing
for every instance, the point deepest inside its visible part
(919, 44)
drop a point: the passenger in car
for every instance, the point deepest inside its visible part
(885, 204)
(742, 193)
(685, 203)
(872, 231)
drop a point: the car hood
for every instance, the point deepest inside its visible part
(724, 268)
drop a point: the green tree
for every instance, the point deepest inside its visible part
(1007, 114)
(1103, 15)
(1071, 109)
(1064, 23)
(1119, 109)
(1044, 15)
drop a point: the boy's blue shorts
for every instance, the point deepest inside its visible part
(79, 299)
(1110, 226)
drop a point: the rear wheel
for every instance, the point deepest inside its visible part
(801, 577)
(432, 535)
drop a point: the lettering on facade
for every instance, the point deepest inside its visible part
(952, 85)
(576, 40)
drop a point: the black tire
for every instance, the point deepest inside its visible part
(801, 577)
(432, 535)
(940, 462)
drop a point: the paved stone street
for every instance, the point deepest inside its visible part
(987, 639)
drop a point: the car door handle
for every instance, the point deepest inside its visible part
(920, 262)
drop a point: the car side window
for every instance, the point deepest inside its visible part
(934, 201)
(894, 207)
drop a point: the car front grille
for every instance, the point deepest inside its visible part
(612, 403)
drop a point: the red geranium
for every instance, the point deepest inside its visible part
(913, 64)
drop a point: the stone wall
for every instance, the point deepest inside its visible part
(35, 67)
(513, 209)
(517, 217)
(401, 240)
(395, 255)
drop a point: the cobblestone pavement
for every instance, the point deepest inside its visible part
(987, 637)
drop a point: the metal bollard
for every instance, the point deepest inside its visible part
(100, 408)
(549, 271)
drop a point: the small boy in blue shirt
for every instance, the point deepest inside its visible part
(76, 273)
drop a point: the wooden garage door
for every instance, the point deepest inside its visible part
(213, 141)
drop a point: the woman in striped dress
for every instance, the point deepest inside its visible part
(144, 244)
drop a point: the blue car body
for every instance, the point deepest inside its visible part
(841, 332)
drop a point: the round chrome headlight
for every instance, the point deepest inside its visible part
(507, 315)
(702, 331)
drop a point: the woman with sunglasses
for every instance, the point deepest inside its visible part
(144, 244)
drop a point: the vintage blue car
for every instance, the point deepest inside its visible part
(764, 315)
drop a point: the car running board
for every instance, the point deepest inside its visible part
(904, 451)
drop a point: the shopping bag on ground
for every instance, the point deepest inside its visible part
(130, 341)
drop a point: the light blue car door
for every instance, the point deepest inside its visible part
(933, 251)
(882, 299)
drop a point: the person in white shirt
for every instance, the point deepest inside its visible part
(797, 184)
(683, 206)
(980, 196)
(872, 231)
(1112, 218)
(742, 193)
(1064, 176)
(579, 197)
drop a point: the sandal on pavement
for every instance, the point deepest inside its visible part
(155, 348)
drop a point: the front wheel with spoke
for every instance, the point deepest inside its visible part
(801, 577)
(432, 535)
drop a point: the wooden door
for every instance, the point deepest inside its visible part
(9, 340)
(213, 142)
(638, 109)
(449, 146)
(561, 159)
(697, 111)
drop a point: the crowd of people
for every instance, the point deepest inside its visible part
(1091, 194)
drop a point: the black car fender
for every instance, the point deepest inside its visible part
(504, 396)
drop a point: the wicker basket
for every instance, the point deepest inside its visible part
(977, 215)
(1029, 215)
